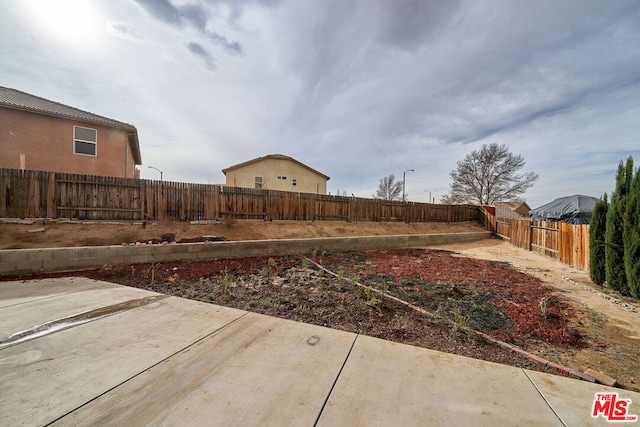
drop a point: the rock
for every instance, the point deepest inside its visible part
(601, 378)
(36, 230)
(168, 237)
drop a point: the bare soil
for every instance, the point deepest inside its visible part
(49, 234)
(520, 297)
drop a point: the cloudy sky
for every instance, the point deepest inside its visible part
(358, 90)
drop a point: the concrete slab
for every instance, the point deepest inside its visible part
(45, 378)
(385, 383)
(571, 399)
(257, 371)
(30, 313)
(18, 292)
(180, 362)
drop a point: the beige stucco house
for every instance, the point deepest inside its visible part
(38, 134)
(276, 172)
(512, 210)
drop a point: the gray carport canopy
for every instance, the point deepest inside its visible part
(576, 209)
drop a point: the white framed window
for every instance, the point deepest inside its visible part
(258, 182)
(85, 141)
(294, 182)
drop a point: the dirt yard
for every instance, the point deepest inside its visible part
(43, 234)
(520, 297)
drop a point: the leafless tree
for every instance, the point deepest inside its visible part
(389, 189)
(489, 175)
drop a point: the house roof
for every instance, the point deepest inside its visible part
(18, 100)
(277, 157)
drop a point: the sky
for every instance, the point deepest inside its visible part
(357, 90)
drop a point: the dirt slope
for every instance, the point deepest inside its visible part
(611, 318)
(43, 234)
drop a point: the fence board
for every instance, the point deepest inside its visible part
(568, 243)
(40, 194)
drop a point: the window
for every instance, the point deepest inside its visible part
(282, 177)
(258, 182)
(85, 141)
(294, 182)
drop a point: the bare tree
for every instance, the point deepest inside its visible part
(489, 175)
(388, 189)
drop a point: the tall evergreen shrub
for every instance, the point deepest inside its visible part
(597, 228)
(614, 245)
(631, 237)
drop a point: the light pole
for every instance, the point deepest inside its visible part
(161, 182)
(153, 167)
(404, 179)
(429, 195)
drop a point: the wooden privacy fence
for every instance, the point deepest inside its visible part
(569, 243)
(39, 194)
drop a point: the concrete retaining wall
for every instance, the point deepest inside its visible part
(33, 261)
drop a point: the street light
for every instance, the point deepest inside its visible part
(152, 167)
(404, 178)
(429, 195)
(161, 182)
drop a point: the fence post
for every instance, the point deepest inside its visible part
(51, 196)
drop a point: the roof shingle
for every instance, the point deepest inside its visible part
(18, 100)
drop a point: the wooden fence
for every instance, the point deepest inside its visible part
(568, 243)
(38, 194)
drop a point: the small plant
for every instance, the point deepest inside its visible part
(463, 322)
(353, 280)
(266, 303)
(595, 316)
(291, 276)
(385, 286)
(270, 269)
(371, 299)
(400, 322)
(226, 280)
(154, 272)
(305, 263)
(283, 300)
(544, 305)
(303, 309)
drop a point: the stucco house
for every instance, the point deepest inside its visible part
(39, 134)
(512, 210)
(276, 172)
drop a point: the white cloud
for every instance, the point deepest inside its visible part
(357, 90)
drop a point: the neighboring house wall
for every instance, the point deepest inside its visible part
(276, 173)
(512, 210)
(506, 212)
(42, 142)
(523, 209)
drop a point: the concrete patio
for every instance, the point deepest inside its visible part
(107, 354)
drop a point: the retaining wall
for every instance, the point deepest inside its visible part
(33, 261)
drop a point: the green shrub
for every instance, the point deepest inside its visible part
(597, 230)
(614, 244)
(631, 237)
